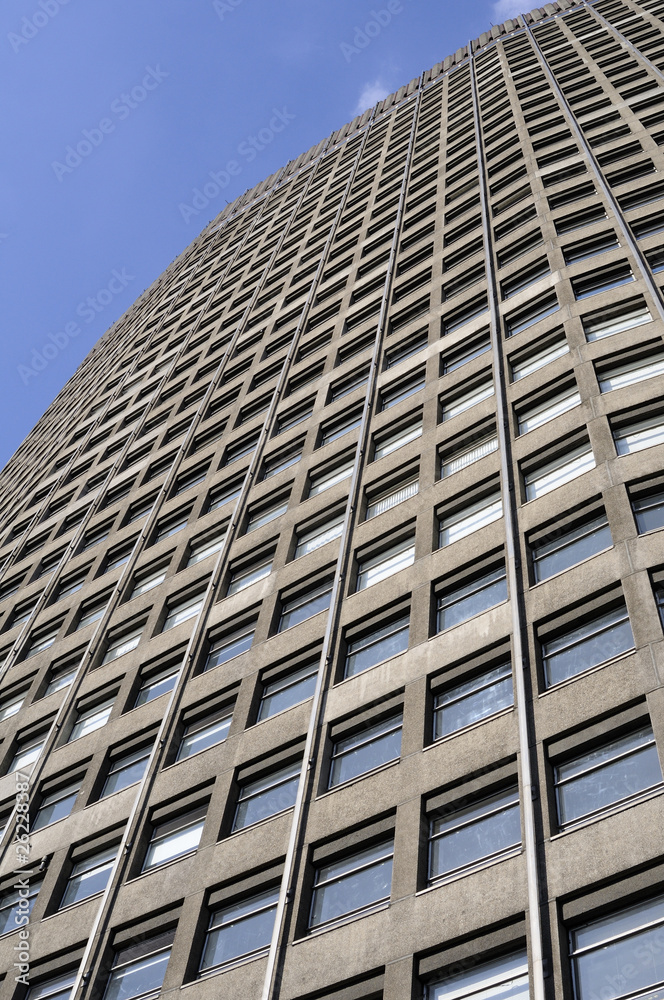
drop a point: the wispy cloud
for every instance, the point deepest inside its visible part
(371, 94)
(504, 9)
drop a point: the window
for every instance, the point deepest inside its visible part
(590, 247)
(88, 877)
(125, 771)
(615, 319)
(541, 412)
(475, 834)
(615, 943)
(394, 439)
(245, 576)
(526, 364)
(505, 977)
(601, 281)
(71, 585)
(333, 429)
(156, 685)
(139, 969)
(406, 349)
(485, 445)
(202, 548)
(119, 645)
(11, 705)
(385, 563)
(394, 394)
(563, 469)
(610, 774)
(366, 750)
(240, 930)
(56, 806)
(526, 317)
(42, 639)
(275, 464)
(92, 611)
(615, 375)
(473, 700)
(294, 416)
(472, 598)
(60, 679)
(119, 557)
(175, 837)
(467, 351)
(182, 610)
(53, 989)
(596, 641)
(240, 449)
(649, 512)
(223, 493)
(267, 796)
(567, 548)
(12, 909)
(325, 480)
(463, 522)
(315, 538)
(638, 435)
(147, 580)
(91, 719)
(481, 390)
(229, 645)
(305, 605)
(258, 516)
(353, 884)
(385, 500)
(171, 525)
(286, 691)
(206, 732)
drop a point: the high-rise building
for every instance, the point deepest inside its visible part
(332, 582)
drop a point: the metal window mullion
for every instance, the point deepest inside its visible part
(271, 980)
(604, 763)
(145, 786)
(596, 172)
(513, 573)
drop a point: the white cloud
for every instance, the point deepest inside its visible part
(504, 9)
(371, 94)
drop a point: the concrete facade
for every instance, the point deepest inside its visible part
(380, 452)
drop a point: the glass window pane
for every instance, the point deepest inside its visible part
(595, 642)
(54, 989)
(229, 646)
(88, 878)
(140, 978)
(366, 750)
(90, 721)
(649, 512)
(358, 882)
(504, 978)
(385, 564)
(473, 834)
(288, 691)
(638, 436)
(25, 757)
(460, 459)
(200, 736)
(319, 536)
(56, 806)
(472, 599)
(471, 519)
(632, 372)
(247, 576)
(267, 796)
(11, 910)
(571, 547)
(533, 362)
(541, 414)
(378, 646)
(239, 931)
(462, 403)
(160, 684)
(126, 771)
(391, 499)
(325, 481)
(561, 470)
(305, 606)
(397, 440)
(473, 700)
(165, 847)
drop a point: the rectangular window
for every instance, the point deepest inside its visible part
(649, 512)
(245, 576)
(175, 838)
(616, 943)
(56, 806)
(171, 525)
(535, 311)
(505, 978)
(394, 394)
(139, 977)
(458, 460)
(122, 644)
(309, 541)
(333, 429)
(531, 417)
(475, 834)
(240, 930)
(205, 733)
(611, 774)
(467, 351)
(597, 641)
(305, 605)
(353, 884)
(228, 646)
(531, 362)
(267, 796)
(88, 877)
(275, 464)
(91, 719)
(59, 988)
(366, 750)
(183, 610)
(15, 905)
(562, 469)
(406, 349)
(570, 547)
(92, 611)
(286, 691)
(223, 493)
(615, 319)
(377, 646)
(41, 640)
(125, 771)
(590, 247)
(473, 700)
(148, 580)
(385, 563)
(482, 390)
(203, 548)
(11, 706)
(397, 439)
(156, 685)
(263, 515)
(603, 280)
(639, 435)
(464, 522)
(577, 220)
(385, 501)
(472, 598)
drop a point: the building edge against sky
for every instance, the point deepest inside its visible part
(332, 583)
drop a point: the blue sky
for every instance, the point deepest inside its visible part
(115, 111)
